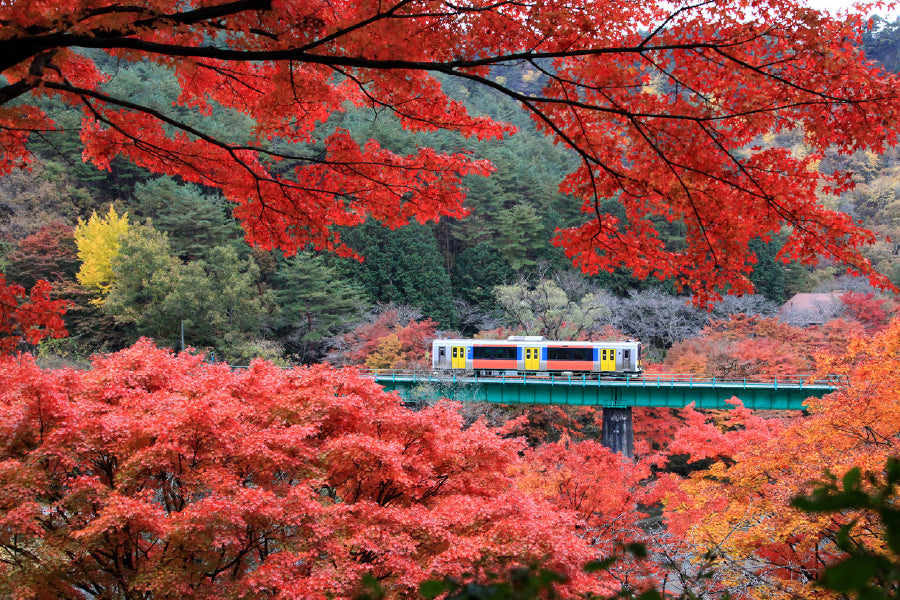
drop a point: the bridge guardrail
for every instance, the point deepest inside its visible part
(644, 380)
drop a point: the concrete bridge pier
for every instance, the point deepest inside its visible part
(618, 430)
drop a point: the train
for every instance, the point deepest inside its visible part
(535, 354)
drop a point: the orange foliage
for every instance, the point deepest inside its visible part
(609, 495)
(387, 343)
(740, 503)
(745, 346)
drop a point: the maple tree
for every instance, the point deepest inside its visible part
(609, 508)
(740, 504)
(874, 313)
(389, 339)
(156, 475)
(751, 346)
(35, 312)
(29, 316)
(662, 103)
(49, 254)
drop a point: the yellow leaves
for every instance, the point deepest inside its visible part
(98, 243)
(388, 354)
(544, 481)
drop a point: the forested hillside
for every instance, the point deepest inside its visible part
(284, 180)
(179, 271)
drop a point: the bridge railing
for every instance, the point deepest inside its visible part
(644, 380)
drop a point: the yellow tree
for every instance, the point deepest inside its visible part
(98, 243)
(388, 354)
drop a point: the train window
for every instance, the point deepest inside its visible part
(442, 352)
(454, 352)
(494, 352)
(627, 354)
(569, 354)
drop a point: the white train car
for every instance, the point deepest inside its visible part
(533, 354)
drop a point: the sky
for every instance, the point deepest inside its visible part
(836, 5)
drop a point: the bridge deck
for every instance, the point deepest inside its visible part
(578, 390)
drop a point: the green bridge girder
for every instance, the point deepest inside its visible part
(662, 391)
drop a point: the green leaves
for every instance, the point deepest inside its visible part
(401, 267)
(531, 582)
(523, 583)
(870, 569)
(154, 293)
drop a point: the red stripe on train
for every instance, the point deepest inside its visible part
(484, 363)
(570, 365)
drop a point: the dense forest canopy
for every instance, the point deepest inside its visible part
(660, 103)
(248, 149)
(637, 148)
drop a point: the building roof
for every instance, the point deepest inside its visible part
(811, 309)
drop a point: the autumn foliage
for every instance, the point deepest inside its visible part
(740, 504)
(389, 341)
(874, 313)
(746, 347)
(610, 497)
(98, 241)
(161, 475)
(666, 107)
(31, 315)
(28, 316)
(49, 254)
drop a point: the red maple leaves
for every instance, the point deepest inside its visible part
(665, 107)
(29, 316)
(167, 475)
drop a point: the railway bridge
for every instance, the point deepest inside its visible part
(615, 395)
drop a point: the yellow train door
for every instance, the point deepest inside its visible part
(532, 359)
(458, 357)
(607, 359)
